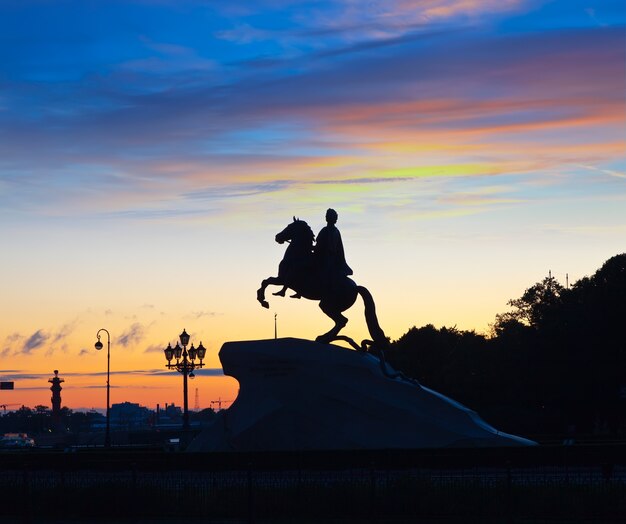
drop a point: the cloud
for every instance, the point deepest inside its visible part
(402, 83)
(169, 64)
(13, 337)
(609, 172)
(9, 343)
(63, 332)
(93, 386)
(35, 341)
(473, 199)
(16, 343)
(212, 372)
(384, 19)
(154, 349)
(58, 339)
(133, 335)
(240, 190)
(591, 231)
(244, 34)
(196, 315)
(341, 81)
(592, 15)
(17, 376)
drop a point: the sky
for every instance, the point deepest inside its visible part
(150, 150)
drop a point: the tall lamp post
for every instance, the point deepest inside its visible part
(185, 364)
(98, 346)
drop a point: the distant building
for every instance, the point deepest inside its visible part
(16, 441)
(172, 414)
(128, 415)
(97, 421)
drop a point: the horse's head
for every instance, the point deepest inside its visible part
(298, 231)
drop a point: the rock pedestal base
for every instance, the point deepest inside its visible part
(301, 395)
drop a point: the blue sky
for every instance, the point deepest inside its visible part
(151, 150)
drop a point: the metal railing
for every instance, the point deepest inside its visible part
(559, 483)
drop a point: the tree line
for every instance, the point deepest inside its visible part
(554, 365)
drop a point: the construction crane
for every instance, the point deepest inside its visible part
(218, 402)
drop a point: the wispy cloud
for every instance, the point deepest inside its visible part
(212, 372)
(64, 332)
(609, 172)
(196, 315)
(132, 336)
(35, 341)
(469, 199)
(396, 112)
(9, 342)
(592, 15)
(244, 33)
(463, 94)
(590, 231)
(53, 340)
(389, 18)
(20, 376)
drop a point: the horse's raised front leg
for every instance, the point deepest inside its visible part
(260, 294)
(340, 322)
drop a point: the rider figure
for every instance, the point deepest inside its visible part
(329, 252)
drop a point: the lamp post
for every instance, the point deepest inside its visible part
(185, 364)
(98, 346)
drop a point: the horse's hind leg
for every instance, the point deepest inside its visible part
(340, 322)
(281, 293)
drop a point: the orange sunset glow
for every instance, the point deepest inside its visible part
(150, 152)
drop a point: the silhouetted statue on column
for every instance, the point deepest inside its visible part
(321, 273)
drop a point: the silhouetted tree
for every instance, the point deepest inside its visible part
(447, 359)
(535, 306)
(555, 362)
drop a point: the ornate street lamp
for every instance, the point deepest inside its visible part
(98, 346)
(185, 364)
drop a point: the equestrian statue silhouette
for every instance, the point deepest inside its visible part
(320, 272)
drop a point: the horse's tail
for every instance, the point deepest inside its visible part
(379, 343)
(376, 332)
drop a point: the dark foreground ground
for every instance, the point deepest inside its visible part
(304, 520)
(545, 484)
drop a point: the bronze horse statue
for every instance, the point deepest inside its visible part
(301, 271)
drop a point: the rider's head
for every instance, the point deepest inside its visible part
(331, 216)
